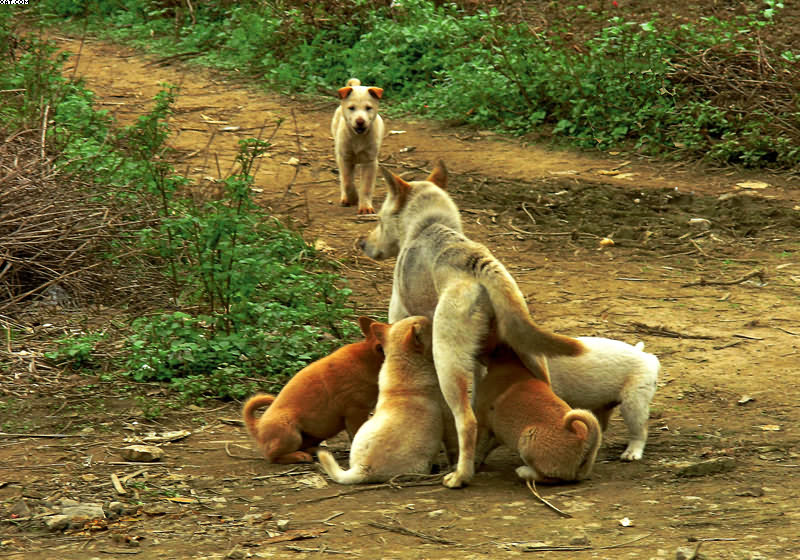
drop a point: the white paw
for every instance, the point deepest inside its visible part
(454, 480)
(632, 453)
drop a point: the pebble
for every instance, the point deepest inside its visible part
(705, 468)
(57, 522)
(142, 453)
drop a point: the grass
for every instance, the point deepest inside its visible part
(625, 84)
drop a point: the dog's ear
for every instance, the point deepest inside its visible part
(344, 92)
(376, 92)
(364, 324)
(398, 187)
(439, 175)
(381, 332)
(418, 336)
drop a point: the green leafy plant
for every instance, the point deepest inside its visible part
(76, 352)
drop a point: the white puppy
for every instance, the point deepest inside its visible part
(608, 374)
(357, 131)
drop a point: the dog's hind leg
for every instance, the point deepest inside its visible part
(459, 327)
(635, 409)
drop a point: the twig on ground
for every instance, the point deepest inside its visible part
(703, 282)
(532, 487)
(410, 532)
(665, 332)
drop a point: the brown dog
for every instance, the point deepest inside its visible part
(554, 441)
(334, 393)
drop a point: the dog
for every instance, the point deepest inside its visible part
(463, 288)
(405, 433)
(335, 393)
(357, 131)
(608, 374)
(556, 442)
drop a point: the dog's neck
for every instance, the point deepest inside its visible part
(432, 207)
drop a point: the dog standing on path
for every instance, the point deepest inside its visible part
(608, 374)
(357, 131)
(335, 393)
(405, 433)
(464, 289)
(556, 442)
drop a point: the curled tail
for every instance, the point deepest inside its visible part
(585, 426)
(353, 82)
(352, 476)
(255, 402)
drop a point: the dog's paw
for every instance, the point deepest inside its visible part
(366, 210)
(454, 480)
(344, 201)
(632, 453)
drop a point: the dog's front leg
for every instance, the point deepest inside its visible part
(347, 184)
(370, 170)
(397, 310)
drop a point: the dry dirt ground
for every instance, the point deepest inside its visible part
(727, 339)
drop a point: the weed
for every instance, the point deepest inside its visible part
(76, 352)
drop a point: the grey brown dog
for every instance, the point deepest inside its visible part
(464, 289)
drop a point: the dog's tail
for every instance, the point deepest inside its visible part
(352, 476)
(515, 326)
(255, 402)
(352, 82)
(585, 426)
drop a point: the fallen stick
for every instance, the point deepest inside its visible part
(118, 485)
(748, 276)
(7, 434)
(404, 531)
(532, 487)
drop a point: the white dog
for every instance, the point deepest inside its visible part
(405, 433)
(357, 131)
(608, 374)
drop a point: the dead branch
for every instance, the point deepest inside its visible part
(752, 274)
(532, 487)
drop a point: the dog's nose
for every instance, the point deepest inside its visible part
(360, 121)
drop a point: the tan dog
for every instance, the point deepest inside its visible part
(610, 373)
(514, 408)
(404, 435)
(332, 394)
(464, 289)
(357, 131)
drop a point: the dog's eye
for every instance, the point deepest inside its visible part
(369, 108)
(352, 107)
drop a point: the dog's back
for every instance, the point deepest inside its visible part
(334, 393)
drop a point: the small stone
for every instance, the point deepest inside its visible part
(282, 524)
(88, 430)
(116, 507)
(755, 492)
(57, 522)
(142, 453)
(579, 540)
(83, 512)
(705, 468)
(435, 514)
(21, 509)
(684, 553)
(68, 502)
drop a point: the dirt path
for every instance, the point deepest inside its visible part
(729, 353)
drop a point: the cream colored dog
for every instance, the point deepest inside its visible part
(357, 131)
(556, 442)
(404, 435)
(464, 289)
(608, 374)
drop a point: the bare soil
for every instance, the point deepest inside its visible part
(677, 277)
